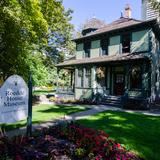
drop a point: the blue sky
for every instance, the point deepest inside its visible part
(107, 10)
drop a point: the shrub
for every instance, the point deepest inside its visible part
(78, 143)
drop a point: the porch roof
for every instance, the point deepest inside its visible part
(104, 59)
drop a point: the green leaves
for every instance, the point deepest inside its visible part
(26, 26)
(155, 4)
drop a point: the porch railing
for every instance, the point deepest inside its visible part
(102, 90)
(66, 89)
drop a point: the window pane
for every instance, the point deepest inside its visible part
(87, 47)
(80, 78)
(104, 46)
(88, 78)
(126, 43)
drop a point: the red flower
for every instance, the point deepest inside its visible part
(18, 157)
(118, 146)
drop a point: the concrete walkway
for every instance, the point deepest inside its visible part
(94, 109)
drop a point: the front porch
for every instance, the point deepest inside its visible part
(115, 80)
(131, 79)
(114, 84)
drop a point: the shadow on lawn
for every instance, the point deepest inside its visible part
(63, 109)
(45, 111)
(139, 133)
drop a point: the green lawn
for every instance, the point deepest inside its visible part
(41, 92)
(139, 133)
(42, 113)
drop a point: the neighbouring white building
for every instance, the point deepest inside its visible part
(147, 11)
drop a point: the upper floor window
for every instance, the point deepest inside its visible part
(104, 46)
(79, 47)
(126, 39)
(87, 47)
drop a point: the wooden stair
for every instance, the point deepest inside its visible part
(112, 100)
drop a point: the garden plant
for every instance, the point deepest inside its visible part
(65, 141)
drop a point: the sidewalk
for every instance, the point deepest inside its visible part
(79, 115)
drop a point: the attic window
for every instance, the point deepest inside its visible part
(88, 30)
(126, 39)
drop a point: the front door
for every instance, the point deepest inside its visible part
(118, 84)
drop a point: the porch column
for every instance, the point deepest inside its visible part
(108, 79)
(153, 93)
(127, 68)
(157, 76)
(71, 80)
(145, 78)
(75, 83)
(76, 77)
(84, 77)
(93, 79)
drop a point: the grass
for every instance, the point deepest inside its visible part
(139, 133)
(42, 92)
(42, 113)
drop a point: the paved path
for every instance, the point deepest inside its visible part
(94, 109)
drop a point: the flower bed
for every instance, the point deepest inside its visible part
(69, 101)
(70, 141)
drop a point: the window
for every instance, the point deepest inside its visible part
(79, 47)
(126, 39)
(119, 78)
(80, 78)
(136, 78)
(88, 77)
(87, 47)
(104, 46)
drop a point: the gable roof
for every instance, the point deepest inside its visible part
(121, 23)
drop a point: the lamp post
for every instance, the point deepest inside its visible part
(29, 118)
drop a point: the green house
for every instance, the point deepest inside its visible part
(119, 61)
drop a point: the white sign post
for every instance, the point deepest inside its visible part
(13, 100)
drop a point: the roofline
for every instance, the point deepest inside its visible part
(93, 35)
(100, 63)
(62, 65)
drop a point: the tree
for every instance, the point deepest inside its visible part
(20, 31)
(59, 29)
(89, 23)
(26, 30)
(155, 4)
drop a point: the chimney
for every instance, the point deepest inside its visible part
(128, 11)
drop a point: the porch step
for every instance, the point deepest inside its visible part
(112, 100)
(116, 98)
